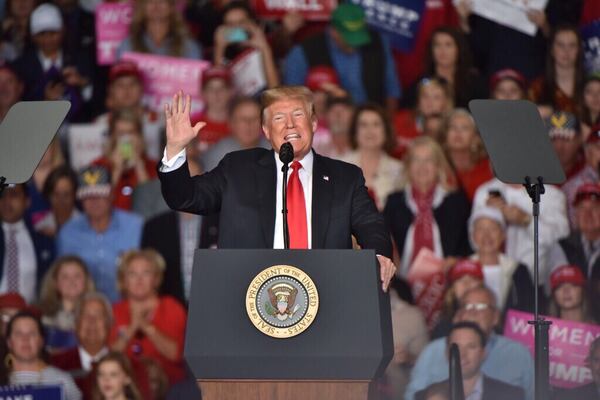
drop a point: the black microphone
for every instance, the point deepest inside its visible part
(286, 155)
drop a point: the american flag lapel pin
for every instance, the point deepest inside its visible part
(325, 178)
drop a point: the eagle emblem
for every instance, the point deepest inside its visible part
(282, 297)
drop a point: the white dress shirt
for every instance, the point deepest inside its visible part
(305, 173)
(87, 359)
(27, 262)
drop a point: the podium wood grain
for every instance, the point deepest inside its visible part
(283, 390)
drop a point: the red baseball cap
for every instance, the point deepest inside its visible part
(567, 274)
(508, 73)
(588, 190)
(594, 136)
(216, 73)
(12, 300)
(319, 75)
(124, 68)
(465, 267)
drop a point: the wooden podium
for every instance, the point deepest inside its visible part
(348, 344)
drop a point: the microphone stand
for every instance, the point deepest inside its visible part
(284, 211)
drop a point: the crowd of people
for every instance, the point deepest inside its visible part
(96, 269)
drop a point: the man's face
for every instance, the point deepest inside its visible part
(48, 42)
(11, 89)
(587, 215)
(92, 327)
(479, 307)
(125, 92)
(488, 235)
(567, 149)
(217, 94)
(13, 204)
(339, 118)
(472, 352)
(25, 341)
(245, 124)
(96, 207)
(290, 121)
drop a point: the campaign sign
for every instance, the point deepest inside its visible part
(248, 73)
(591, 46)
(569, 346)
(86, 143)
(428, 285)
(112, 27)
(164, 76)
(312, 10)
(400, 20)
(27, 392)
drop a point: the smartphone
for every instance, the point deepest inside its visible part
(494, 193)
(126, 148)
(235, 35)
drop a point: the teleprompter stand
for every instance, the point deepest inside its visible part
(25, 134)
(521, 153)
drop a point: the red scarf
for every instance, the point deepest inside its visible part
(423, 223)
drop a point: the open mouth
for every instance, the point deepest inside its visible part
(291, 137)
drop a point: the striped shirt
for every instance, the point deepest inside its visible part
(48, 376)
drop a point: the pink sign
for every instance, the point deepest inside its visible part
(112, 27)
(569, 346)
(428, 284)
(164, 76)
(312, 10)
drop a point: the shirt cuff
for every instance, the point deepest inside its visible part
(172, 164)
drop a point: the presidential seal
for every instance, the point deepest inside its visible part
(282, 301)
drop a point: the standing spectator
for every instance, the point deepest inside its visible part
(591, 391)
(372, 139)
(353, 51)
(63, 287)
(338, 117)
(562, 83)
(25, 341)
(565, 134)
(428, 213)
(508, 84)
(590, 104)
(59, 190)
(26, 255)
(465, 151)
(15, 23)
(52, 159)
(158, 28)
(11, 89)
(478, 306)
(147, 324)
(115, 379)
(125, 157)
(80, 33)
(569, 299)
(102, 233)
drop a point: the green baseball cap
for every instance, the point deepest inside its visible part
(349, 21)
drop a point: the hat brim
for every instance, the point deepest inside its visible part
(355, 39)
(102, 190)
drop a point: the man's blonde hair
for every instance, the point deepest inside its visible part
(271, 96)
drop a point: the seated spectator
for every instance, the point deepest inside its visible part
(10, 304)
(59, 190)
(115, 379)
(562, 83)
(590, 104)
(372, 139)
(102, 233)
(434, 101)
(48, 70)
(217, 93)
(15, 23)
(63, 287)
(508, 84)
(335, 143)
(93, 321)
(126, 158)
(589, 173)
(52, 159)
(125, 91)
(565, 134)
(349, 46)
(11, 89)
(146, 324)
(26, 359)
(157, 27)
(246, 132)
(465, 151)
(509, 280)
(428, 213)
(591, 391)
(515, 205)
(582, 246)
(448, 58)
(471, 342)
(26, 254)
(239, 33)
(478, 305)
(569, 298)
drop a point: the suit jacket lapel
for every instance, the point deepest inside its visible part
(266, 184)
(322, 194)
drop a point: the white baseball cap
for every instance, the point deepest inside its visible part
(45, 17)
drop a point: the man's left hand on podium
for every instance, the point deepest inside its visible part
(388, 269)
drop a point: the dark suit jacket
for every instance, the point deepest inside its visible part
(242, 189)
(586, 392)
(492, 390)
(45, 252)
(162, 234)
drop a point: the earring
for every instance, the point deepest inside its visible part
(8, 361)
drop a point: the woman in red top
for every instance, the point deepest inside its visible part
(466, 152)
(146, 324)
(125, 157)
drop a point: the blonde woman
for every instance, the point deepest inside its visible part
(158, 28)
(145, 323)
(65, 283)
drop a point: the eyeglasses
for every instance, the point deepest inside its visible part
(476, 307)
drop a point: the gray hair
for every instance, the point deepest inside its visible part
(94, 296)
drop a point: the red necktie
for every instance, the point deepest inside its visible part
(296, 210)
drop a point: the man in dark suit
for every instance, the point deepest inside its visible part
(471, 341)
(591, 391)
(327, 202)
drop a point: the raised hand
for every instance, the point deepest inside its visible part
(180, 131)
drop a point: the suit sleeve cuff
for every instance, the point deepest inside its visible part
(172, 164)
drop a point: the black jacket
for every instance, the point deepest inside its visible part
(492, 390)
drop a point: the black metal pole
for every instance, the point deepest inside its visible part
(284, 210)
(457, 391)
